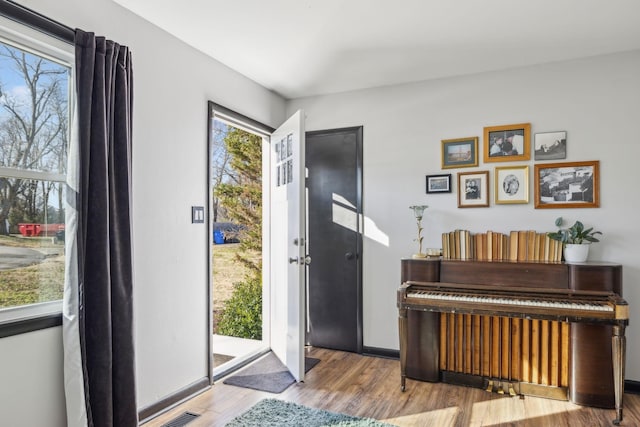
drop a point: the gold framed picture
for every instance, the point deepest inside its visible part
(473, 189)
(511, 184)
(460, 153)
(507, 143)
(567, 185)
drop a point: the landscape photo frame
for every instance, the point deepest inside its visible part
(473, 189)
(460, 152)
(511, 184)
(507, 143)
(567, 185)
(439, 183)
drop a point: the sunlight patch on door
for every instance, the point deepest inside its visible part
(345, 214)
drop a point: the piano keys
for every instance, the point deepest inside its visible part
(519, 302)
(515, 327)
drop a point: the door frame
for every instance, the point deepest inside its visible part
(250, 125)
(293, 356)
(360, 212)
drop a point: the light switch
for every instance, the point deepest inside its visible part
(197, 214)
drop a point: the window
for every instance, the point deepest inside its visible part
(35, 101)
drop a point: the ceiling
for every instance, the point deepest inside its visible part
(300, 48)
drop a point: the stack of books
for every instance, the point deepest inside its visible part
(523, 245)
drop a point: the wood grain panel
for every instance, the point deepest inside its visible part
(459, 343)
(535, 351)
(477, 344)
(554, 356)
(497, 273)
(468, 349)
(443, 341)
(451, 344)
(564, 359)
(486, 346)
(505, 349)
(526, 350)
(516, 348)
(496, 341)
(544, 352)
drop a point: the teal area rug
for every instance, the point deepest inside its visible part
(278, 413)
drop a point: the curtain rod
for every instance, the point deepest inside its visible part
(37, 21)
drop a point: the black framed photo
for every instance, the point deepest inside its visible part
(550, 145)
(460, 153)
(439, 183)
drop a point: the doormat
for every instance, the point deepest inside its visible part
(278, 413)
(268, 374)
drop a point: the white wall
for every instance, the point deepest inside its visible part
(31, 393)
(595, 100)
(172, 84)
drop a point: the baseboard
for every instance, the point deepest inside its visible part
(182, 395)
(632, 387)
(381, 352)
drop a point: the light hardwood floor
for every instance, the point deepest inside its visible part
(370, 387)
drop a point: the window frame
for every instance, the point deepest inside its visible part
(26, 30)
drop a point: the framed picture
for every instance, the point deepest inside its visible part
(567, 185)
(473, 189)
(507, 143)
(550, 145)
(439, 183)
(512, 184)
(460, 153)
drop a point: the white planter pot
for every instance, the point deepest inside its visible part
(576, 253)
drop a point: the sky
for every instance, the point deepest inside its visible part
(11, 80)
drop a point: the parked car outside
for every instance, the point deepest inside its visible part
(227, 232)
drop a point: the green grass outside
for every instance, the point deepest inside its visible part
(36, 283)
(226, 271)
(45, 281)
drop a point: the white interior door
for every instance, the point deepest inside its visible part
(288, 251)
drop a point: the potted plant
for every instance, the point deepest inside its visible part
(576, 240)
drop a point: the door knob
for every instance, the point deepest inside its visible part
(293, 260)
(349, 256)
(307, 260)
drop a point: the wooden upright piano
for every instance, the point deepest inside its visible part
(521, 328)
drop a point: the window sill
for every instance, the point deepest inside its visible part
(29, 318)
(23, 326)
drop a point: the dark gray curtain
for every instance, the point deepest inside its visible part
(105, 278)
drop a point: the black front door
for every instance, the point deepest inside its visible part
(334, 185)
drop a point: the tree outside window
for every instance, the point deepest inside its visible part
(34, 129)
